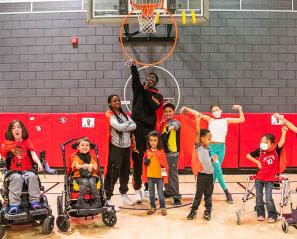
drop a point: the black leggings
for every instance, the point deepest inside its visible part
(118, 167)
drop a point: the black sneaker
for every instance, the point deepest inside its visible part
(229, 198)
(177, 202)
(206, 215)
(167, 194)
(192, 214)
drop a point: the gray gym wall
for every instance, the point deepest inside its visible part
(246, 58)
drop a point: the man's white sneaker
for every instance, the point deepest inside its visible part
(138, 196)
(126, 200)
(110, 203)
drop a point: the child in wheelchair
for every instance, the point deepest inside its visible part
(85, 170)
(267, 158)
(19, 154)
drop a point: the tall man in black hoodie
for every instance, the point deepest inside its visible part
(145, 108)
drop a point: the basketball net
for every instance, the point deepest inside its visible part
(147, 17)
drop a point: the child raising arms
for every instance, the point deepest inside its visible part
(267, 159)
(155, 171)
(218, 128)
(287, 123)
(203, 160)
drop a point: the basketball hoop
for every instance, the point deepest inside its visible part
(146, 14)
(147, 18)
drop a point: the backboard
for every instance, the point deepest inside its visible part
(114, 11)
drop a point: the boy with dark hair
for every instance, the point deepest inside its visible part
(170, 130)
(202, 167)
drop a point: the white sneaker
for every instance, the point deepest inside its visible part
(111, 204)
(126, 200)
(138, 196)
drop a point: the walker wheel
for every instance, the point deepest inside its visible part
(109, 217)
(2, 231)
(285, 226)
(238, 218)
(63, 223)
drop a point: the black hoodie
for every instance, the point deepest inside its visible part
(143, 106)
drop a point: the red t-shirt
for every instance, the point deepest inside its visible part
(269, 162)
(21, 160)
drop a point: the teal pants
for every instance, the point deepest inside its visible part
(218, 149)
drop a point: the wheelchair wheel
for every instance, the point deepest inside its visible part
(285, 226)
(48, 225)
(2, 231)
(238, 218)
(60, 205)
(109, 218)
(63, 223)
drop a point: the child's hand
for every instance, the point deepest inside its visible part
(170, 128)
(146, 161)
(236, 107)
(90, 167)
(183, 110)
(215, 158)
(40, 167)
(259, 165)
(284, 129)
(198, 116)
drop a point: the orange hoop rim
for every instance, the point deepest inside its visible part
(147, 10)
(156, 62)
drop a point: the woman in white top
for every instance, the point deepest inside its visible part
(219, 127)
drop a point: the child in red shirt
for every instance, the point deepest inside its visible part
(17, 147)
(267, 158)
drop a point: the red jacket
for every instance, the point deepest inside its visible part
(161, 156)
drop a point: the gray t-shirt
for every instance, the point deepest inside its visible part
(205, 159)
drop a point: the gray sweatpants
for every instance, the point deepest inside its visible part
(16, 184)
(173, 182)
(88, 183)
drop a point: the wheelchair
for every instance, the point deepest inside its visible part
(37, 217)
(66, 202)
(282, 183)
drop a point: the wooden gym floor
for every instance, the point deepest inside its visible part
(136, 224)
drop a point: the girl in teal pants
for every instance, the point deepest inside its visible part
(219, 127)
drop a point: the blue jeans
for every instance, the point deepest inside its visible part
(151, 186)
(270, 207)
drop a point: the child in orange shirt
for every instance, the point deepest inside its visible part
(155, 171)
(85, 170)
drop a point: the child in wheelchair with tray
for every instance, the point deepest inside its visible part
(84, 193)
(21, 189)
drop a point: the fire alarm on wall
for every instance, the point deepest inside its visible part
(74, 41)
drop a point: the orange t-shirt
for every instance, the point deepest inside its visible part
(76, 160)
(154, 168)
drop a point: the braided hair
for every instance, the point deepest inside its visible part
(116, 115)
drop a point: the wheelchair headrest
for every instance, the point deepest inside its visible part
(74, 146)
